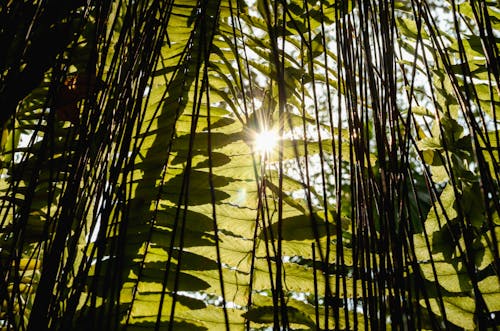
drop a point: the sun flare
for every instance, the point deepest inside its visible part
(266, 141)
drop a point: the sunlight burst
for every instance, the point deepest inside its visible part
(266, 141)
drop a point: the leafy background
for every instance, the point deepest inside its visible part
(134, 195)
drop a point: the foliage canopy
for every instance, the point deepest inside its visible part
(134, 194)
